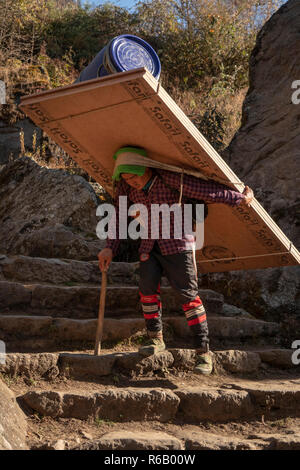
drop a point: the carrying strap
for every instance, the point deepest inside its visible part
(188, 199)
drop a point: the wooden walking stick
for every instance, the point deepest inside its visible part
(101, 314)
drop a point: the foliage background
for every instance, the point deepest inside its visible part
(204, 47)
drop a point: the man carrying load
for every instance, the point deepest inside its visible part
(150, 184)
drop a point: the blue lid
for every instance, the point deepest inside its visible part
(129, 52)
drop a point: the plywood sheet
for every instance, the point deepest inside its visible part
(91, 120)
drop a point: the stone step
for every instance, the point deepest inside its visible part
(146, 440)
(193, 404)
(92, 368)
(262, 412)
(27, 269)
(23, 332)
(82, 301)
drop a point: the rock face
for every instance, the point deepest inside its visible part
(269, 294)
(265, 151)
(12, 422)
(46, 211)
(265, 155)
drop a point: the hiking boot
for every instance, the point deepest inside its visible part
(204, 364)
(152, 346)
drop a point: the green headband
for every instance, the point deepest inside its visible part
(135, 169)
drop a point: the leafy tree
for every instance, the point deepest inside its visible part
(204, 47)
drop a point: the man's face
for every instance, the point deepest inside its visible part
(136, 181)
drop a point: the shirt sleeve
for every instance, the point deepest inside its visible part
(208, 191)
(113, 240)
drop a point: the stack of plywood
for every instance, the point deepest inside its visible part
(91, 120)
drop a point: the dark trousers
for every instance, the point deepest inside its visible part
(181, 274)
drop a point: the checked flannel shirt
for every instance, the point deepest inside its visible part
(159, 193)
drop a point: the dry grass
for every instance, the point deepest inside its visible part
(227, 104)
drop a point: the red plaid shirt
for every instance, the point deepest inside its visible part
(159, 193)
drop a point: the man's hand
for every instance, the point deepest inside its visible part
(105, 256)
(249, 195)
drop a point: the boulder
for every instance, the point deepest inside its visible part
(34, 199)
(59, 241)
(233, 311)
(268, 294)
(13, 424)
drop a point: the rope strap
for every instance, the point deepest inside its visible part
(181, 188)
(250, 256)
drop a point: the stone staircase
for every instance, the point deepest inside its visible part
(120, 400)
(48, 303)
